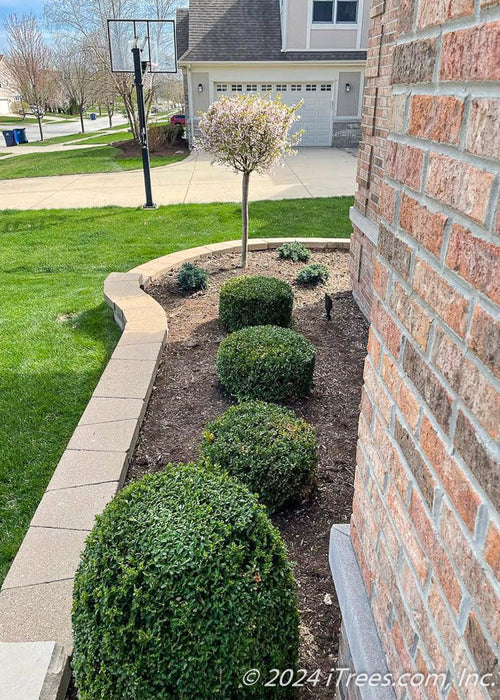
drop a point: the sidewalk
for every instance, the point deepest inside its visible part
(313, 172)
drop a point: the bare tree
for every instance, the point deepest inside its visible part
(77, 76)
(89, 20)
(29, 61)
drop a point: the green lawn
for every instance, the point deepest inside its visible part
(87, 160)
(17, 121)
(109, 138)
(56, 333)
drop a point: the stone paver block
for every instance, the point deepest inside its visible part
(257, 244)
(33, 671)
(151, 319)
(141, 351)
(130, 337)
(128, 379)
(114, 436)
(37, 614)
(81, 468)
(312, 243)
(46, 554)
(75, 508)
(104, 410)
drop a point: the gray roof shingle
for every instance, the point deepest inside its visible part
(244, 30)
(182, 31)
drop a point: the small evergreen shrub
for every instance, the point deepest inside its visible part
(192, 278)
(183, 586)
(266, 447)
(255, 301)
(294, 251)
(266, 362)
(313, 274)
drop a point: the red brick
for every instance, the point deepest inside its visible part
(410, 542)
(438, 118)
(431, 543)
(475, 260)
(373, 347)
(468, 382)
(438, 12)
(398, 109)
(414, 62)
(404, 163)
(441, 297)
(455, 482)
(472, 572)
(395, 251)
(377, 393)
(427, 228)
(386, 327)
(391, 458)
(492, 549)
(416, 463)
(484, 339)
(380, 278)
(471, 54)
(387, 202)
(459, 185)
(483, 134)
(411, 314)
(484, 656)
(408, 404)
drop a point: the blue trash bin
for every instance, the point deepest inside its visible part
(20, 135)
(10, 137)
(93, 116)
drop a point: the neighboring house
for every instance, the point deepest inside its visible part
(8, 92)
(310, 50)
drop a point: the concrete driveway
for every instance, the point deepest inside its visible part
(313, 172)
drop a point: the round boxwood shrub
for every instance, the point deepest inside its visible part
(192, 278)
(313, 274)
(255, 301)
(266, 362)
(266, 447)
(294, 251)
(183, 586)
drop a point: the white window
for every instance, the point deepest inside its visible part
(266, 87)
(282, 88)
(296, 88)
(311, 88)
(237, 88)
(252, 88)
(221, 87)
(335, 11)
(326, 88)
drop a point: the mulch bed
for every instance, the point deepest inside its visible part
(132, 149)
(187, 395)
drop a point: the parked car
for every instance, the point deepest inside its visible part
(178, 119)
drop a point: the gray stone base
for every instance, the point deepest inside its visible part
(360, 648)
(33, 671)
(346, 134)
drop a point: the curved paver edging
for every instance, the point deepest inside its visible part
(36, 596)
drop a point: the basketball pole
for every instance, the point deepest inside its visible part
(143, 132)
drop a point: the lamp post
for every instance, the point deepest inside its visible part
(139, 70)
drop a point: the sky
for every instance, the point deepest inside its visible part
(8, 7)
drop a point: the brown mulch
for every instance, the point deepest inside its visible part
(187, 395)
(132, 149)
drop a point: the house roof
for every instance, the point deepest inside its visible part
(242, 30)
(182, 31)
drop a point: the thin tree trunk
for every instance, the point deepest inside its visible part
(110, 118)
(40, 127)
(81, 121)
(244, 219)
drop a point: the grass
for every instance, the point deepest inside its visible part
(56, 334)
(18, 121)
(78, 136)
(110, 138)
(87, 160)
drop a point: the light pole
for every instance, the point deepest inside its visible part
(139, 70)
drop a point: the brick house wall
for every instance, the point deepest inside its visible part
(426, 523)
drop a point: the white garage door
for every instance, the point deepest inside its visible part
(316, 113)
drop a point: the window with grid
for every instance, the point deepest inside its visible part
(296, 88)
(221, 87)
(326, 88)
(266, 87)
(252, 88)
(311, 88)
(282, 88)
(335, 11)
(237, 88)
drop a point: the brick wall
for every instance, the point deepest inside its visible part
(426, 525)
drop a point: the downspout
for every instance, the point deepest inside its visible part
(190, 107)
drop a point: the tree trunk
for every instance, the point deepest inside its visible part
(40, 127)
(244, 219)
(110, 118)
(81, 120)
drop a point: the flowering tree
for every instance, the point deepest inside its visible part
(249, 134)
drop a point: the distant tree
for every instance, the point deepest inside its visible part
(30, 63)
(249, 134)
(77, 76)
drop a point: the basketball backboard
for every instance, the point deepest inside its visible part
(155, 38)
